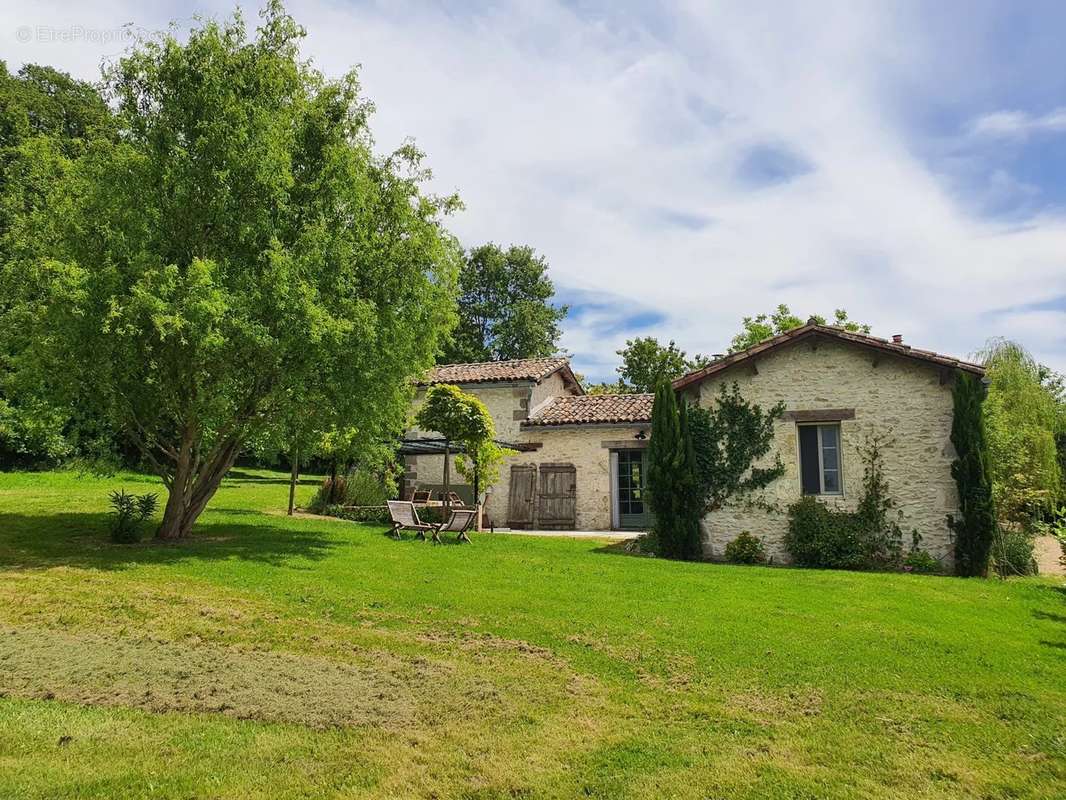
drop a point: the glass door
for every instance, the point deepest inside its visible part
(633, 513)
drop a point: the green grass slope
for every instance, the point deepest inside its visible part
(276, 657)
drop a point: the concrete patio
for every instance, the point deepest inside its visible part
(616, 535)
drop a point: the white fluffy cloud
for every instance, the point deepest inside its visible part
(704, 163)
(1015, 124)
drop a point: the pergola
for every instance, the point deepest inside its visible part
(444, 447)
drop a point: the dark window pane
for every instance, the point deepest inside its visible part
(809, 478)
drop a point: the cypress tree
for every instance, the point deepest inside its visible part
(673, 485)
(664, 455)
(689, 501)
(976, 524)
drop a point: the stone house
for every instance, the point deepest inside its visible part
(840, 388)
(582, 459)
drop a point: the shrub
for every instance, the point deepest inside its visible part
(363, 488)
(371, 514)
(1012, 554)
(128, 513)
(330, 492)
(1052, 524)
(920, 561)
(647, 544)
(323, 497)
(867, 538)
(879, 530)
(818, 536)
(745, 549)
(358, 488)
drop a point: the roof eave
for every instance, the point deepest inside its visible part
(569, 378)
(596, 424)
(804, 331)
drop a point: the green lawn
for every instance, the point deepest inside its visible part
(275, 657)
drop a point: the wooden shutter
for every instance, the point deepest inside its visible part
(520, 501)
(557, 502)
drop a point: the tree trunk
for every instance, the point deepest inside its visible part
(293, 478)
(180, 490)
(447, 478)
(191, 491)
(477, 495)
(173, 512)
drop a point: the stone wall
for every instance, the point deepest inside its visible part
(587, 447)
(540, 393)
(902, 399)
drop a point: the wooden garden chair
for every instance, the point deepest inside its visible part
(405, 517)
(420, 496)
(458, 523)
(453, 499)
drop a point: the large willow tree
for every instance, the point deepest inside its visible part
(236, 249)
(1022, 417)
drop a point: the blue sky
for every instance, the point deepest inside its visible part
(685, 165)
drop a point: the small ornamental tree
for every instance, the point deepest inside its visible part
(463, 420)
(975, 527)
(481, 465)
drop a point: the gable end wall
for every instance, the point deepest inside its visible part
(896, 397)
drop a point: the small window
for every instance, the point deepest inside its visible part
(820, 459)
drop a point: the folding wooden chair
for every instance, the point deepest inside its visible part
(420, 496)
(405, 517)
(454, 500)
(459, 523)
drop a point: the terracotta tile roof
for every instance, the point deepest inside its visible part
(593, 409)
(811, 330)
(524, 369)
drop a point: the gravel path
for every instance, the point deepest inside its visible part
(1047, 554)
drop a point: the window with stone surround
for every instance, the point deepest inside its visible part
(819, 454)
